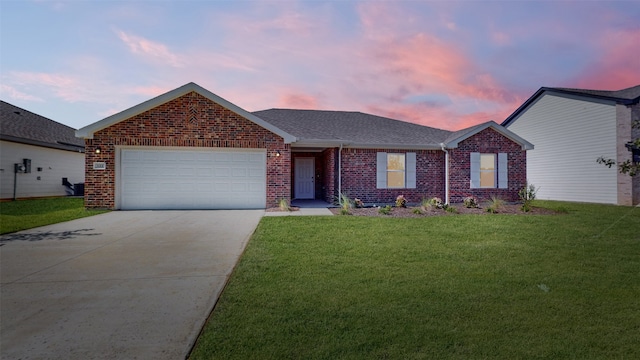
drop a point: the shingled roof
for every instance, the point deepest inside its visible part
(628, 96)
(22, 126)
(352, 128)
(357, 129)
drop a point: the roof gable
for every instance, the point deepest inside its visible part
(88, 131)
(628, 96)
(457, 137)
(22, 126)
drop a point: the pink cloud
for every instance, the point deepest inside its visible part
(424, 63)
(619, 64)
(67, 87)
(441, 118)
(151, 50)
(394, 70)
(203, 59)
(13, 93)
(298, 101)
(150, 91)
(500, 38)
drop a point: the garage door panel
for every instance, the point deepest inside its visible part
(192, 179)
(239, 172)
(204, 172)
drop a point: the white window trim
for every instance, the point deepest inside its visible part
(409, 170)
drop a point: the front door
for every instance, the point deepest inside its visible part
(305, 178)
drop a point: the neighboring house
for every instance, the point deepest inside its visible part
(43, 151)
(571, 129)
(190, 149)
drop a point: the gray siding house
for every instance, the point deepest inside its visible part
(572, 128)
(51, 150)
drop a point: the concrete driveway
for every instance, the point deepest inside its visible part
(120, 285)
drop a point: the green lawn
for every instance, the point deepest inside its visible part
(27, 214)
(453, 287)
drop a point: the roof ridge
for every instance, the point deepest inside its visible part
(629, 94)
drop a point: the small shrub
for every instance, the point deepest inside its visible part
(401, 201)
(451, 209)
(416, 211)
(425, 204)
(436, 202)
(495, 205)
(345, 204)
(385, 210)
(470, 202)
(527, 194)
(283, 204)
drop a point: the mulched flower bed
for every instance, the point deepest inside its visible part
(408, 211)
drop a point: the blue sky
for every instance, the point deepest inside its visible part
(445, 64)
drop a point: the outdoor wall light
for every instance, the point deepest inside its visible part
(98, 150)
(278, 153)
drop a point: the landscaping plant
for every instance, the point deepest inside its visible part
(345, 204)
(451, 209)
(495, 205)
(527, 194)
(385, 210)
(470, 202)
(436, 202)
(401, 201)
(283, 204)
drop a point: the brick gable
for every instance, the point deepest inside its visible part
(191, 120)
(486, 141)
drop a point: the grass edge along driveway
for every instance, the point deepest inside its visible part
(30, 213)
(450, 287)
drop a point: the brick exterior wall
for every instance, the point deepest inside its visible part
(487, 141)
(359, 176)
(188, 121)
(635, 133)
(329, 159)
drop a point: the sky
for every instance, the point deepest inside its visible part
(446, 64)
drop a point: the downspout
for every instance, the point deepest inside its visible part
(340, 175)
(446, 173)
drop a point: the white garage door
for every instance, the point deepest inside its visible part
(192, 179)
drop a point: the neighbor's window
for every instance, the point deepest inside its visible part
(395, 170)
(488, 170)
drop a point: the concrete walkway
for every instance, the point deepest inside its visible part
(121, 285)
(302, 212)
(306, 208)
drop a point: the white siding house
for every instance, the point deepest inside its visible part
(51, 149)
(571, 129)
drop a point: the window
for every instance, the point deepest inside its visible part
(396, 170)
(489, 170)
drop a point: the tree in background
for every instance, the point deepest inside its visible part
(631, 167)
